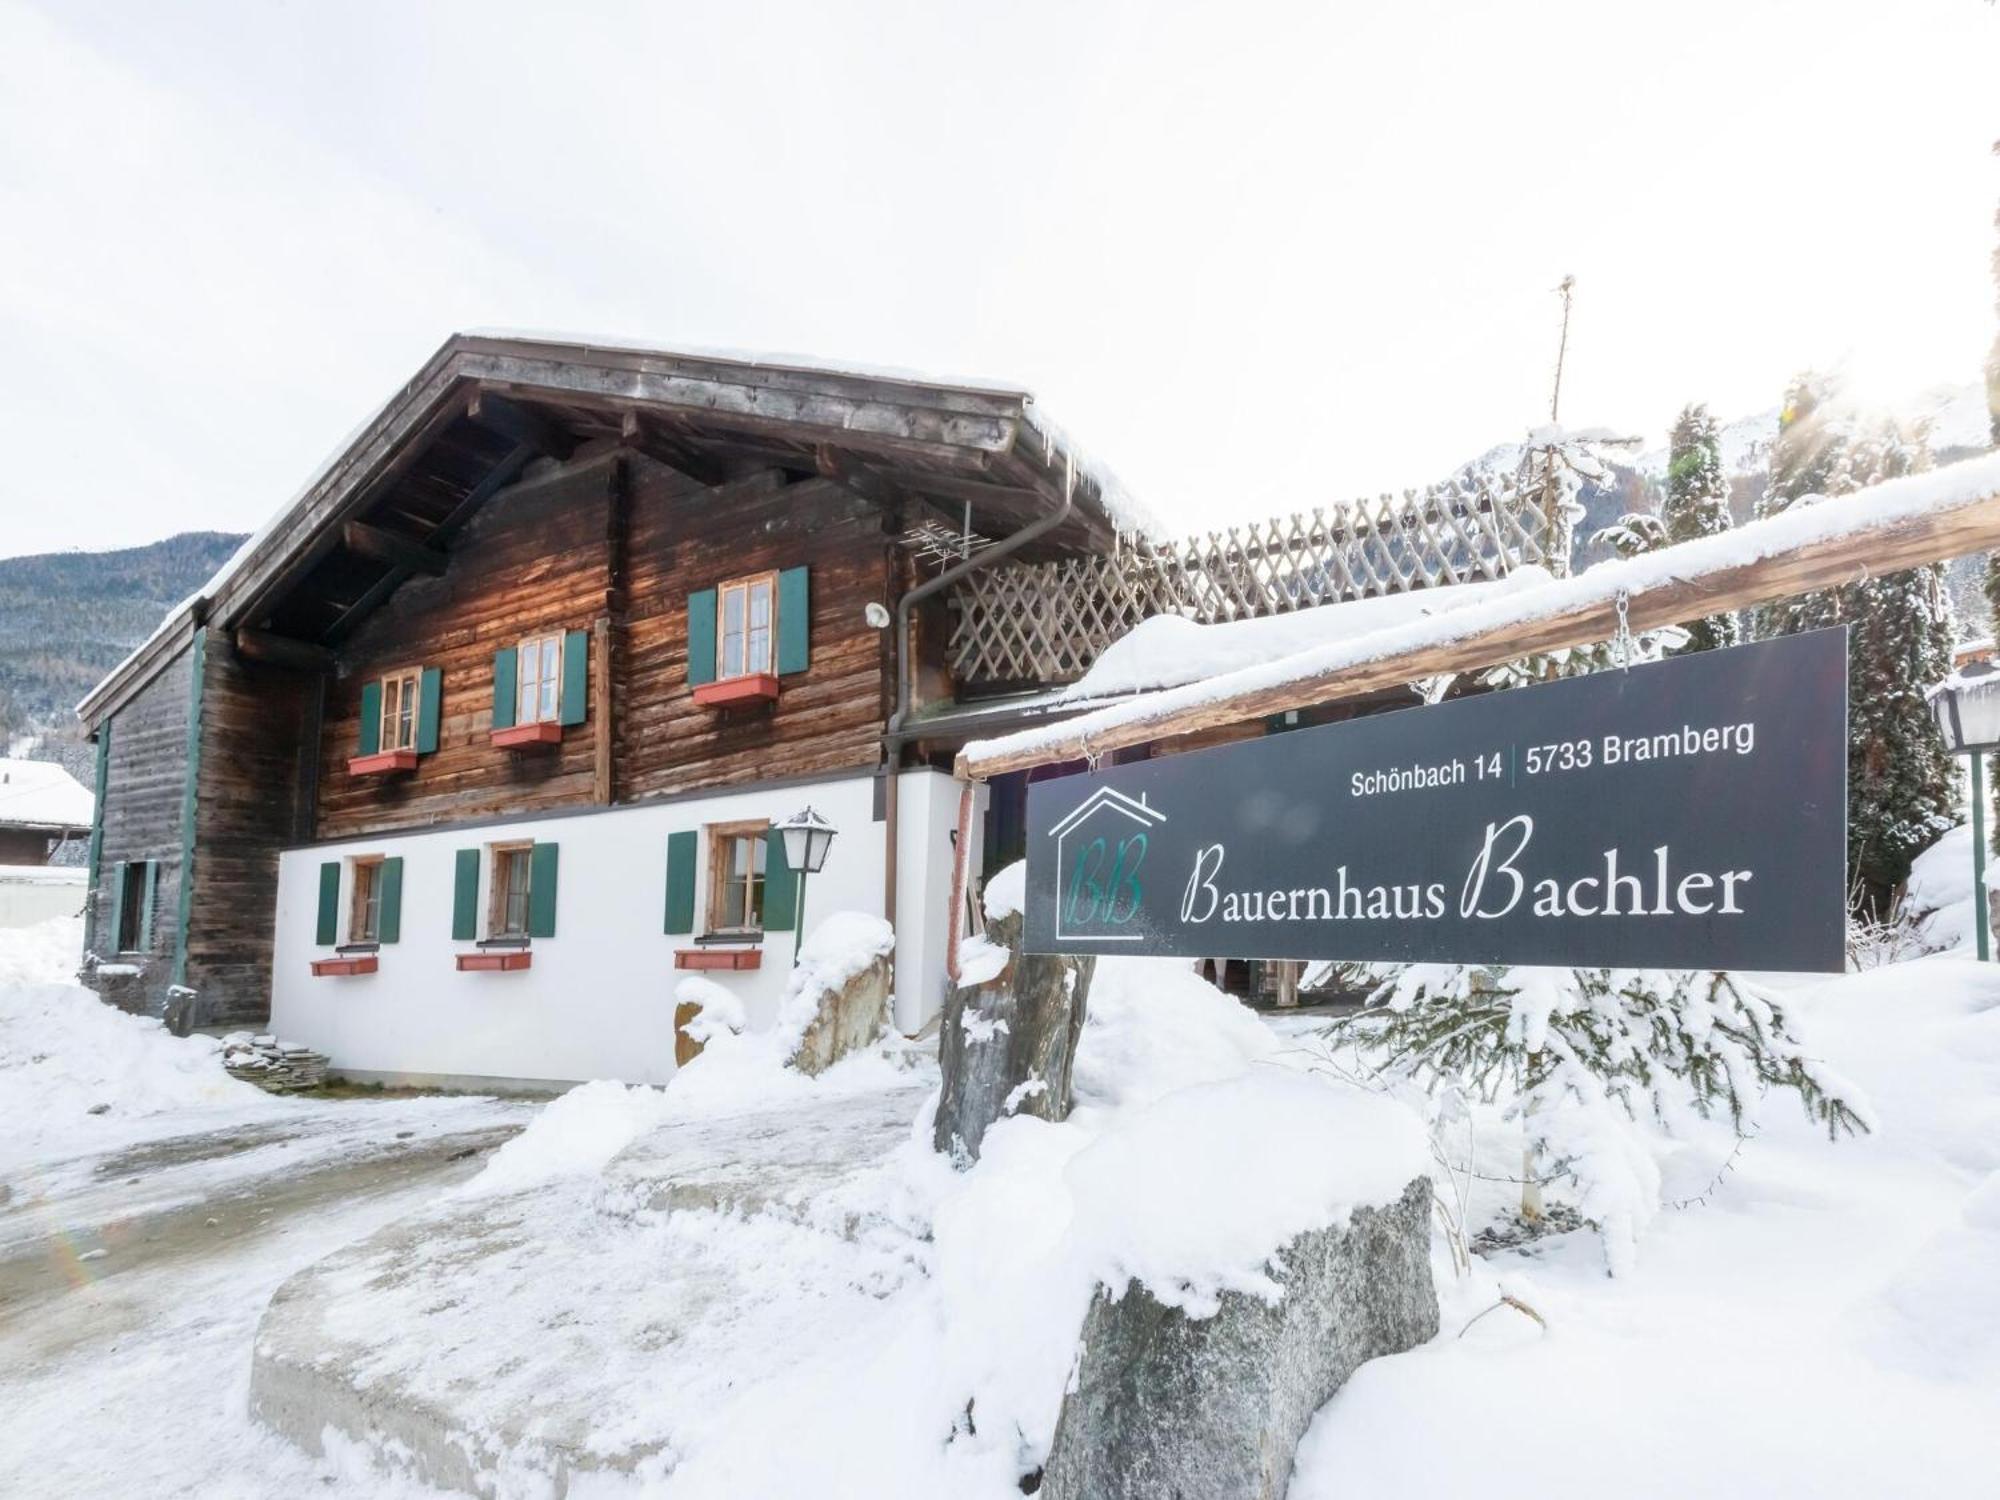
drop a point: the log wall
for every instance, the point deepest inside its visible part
(615, 545)
(533, 559)
(254, 723)
(144, 791)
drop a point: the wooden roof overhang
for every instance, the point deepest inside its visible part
(485, 408)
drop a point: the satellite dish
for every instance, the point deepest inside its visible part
(876, 614)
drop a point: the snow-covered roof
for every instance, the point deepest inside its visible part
(620, 368)
(1168, 650)
(40, 794)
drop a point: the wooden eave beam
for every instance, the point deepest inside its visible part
(1902, 523)
(497, 478)
(377, 545)
(497, 414)
(282, 651)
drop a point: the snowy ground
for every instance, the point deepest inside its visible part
(1811, 1319)
(139, 1245)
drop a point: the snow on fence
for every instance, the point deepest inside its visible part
(1816, 544)
(1048, 622)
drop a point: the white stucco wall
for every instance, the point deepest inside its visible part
(598, 998)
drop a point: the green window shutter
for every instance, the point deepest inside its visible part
(701, 637)
(794, 621)
(781, 886)
(389, 921)
(146, 906)
(503, 688)
(329, 904)
(465, 896)
(575, 676)
(682, 850)
(371, 717)
(118, 908)
(542, 890)
(430, 698)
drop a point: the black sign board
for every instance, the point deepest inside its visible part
(1686, 814)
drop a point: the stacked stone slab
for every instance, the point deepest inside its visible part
(276, 1066)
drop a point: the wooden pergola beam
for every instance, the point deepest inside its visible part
(1902, 523)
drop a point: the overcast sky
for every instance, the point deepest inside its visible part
(1253, 255)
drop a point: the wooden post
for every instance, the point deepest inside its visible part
(961, 855)
(600, 709)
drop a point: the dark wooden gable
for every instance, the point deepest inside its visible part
(502, 408)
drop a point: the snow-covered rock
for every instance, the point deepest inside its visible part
(1007, 1044)
(1165, 1403)
(837, 1000)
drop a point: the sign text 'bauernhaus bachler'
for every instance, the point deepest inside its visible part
(1687, 814)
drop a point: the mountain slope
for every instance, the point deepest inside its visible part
(66, 618)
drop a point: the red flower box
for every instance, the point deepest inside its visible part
(758, 687)
(543, 732)
(718, 958)
(325, 968)
(494, 963)
(381, 762)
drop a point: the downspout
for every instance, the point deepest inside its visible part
(892, 734)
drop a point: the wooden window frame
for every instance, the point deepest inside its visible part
(525, 652)
(134, 902)
(768, 579)
(365, 887)
(394, 702)
(721, 842)
(500, 887)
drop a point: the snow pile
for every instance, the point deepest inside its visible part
(1939, 897)
(1189, 1196)
(1168, 650)
(1790, 1293)
(1007, 891)
(1153, 1026)
(573, 1137)
(833, 953)
(719, 1012)
(72, 1068)
(742, 1070)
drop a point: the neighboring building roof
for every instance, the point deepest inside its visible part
(1166, 650)
(41, 795)
(486, 407)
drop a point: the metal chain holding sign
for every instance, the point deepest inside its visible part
(1622, 646)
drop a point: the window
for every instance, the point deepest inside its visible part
(748, 616)
(540, 679)
(399, 710)
(364, 916)
(135, 897)
(507, 917)
(737, 854)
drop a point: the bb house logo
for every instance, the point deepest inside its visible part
(1100, 852)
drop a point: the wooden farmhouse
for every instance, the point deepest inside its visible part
(479, 745)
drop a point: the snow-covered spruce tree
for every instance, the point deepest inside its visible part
(1902, 788)
(1632, 534)
(1579, 1055)
(1807, 458)
(1697, 505)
